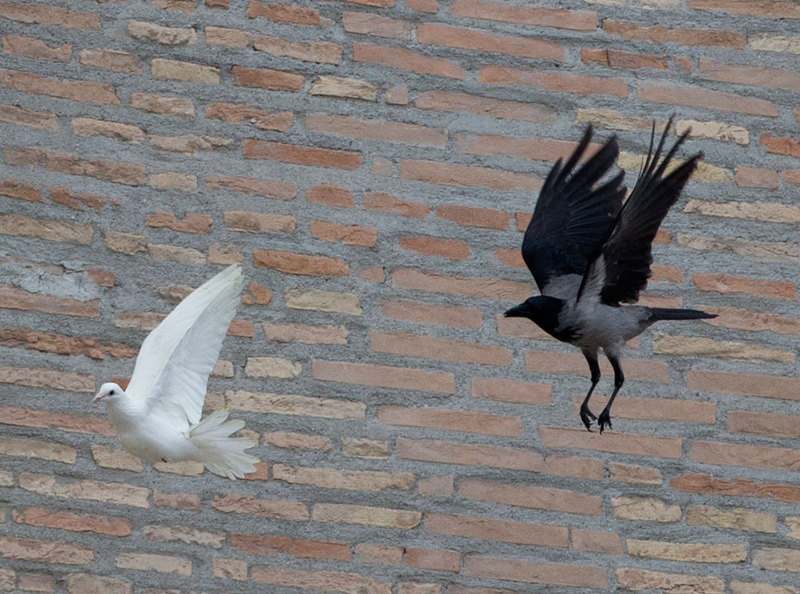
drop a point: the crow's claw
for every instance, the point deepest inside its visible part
(605, 419)
(587, 417)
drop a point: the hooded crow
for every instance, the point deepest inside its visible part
(589, 254)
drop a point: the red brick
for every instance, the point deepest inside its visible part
(320, 52)
(234, 113)
(373, 24)
(753, 321)
(748, 75)
(261, 508)
(705, 99)
(444, 349)
(531, 496)
(654, 409)
(427, 313)
(554, 81)
(284, 13)
(291, 263)
(63, 345)
(754, 177)
(113, 60)
(595, 541)
(453, 174)
(259, 222)
(30, 417)
(265, 544)
(266, 78)
(576, 20)
(384, 376)
(434, 560)
(761, 8)
(528, 47)
(470, 216)
(770, 424)
(451, 420)
(75, 90)
(444, 452)
(301, 155)
(280, 190)
(172, 106)
(337, 581)
(575, 466)
(496, 529)
(780, 145)
(705, 484)
(192, 222)
(227, 37)
(287, 440)
(751, 456)
(484, 288)
(80, 201)
(375, 130)
(518, 570)
(13, 188)
(404, 59)
(745, 384)
(44, 551)
(620, 59)
(537, 149)
(330, 195)
(618, 443)
(39, 14)
(430, 246)
(442, 486)
(374, 553)
(659, 34)
(510, 391)
(393, 205)
(422, 5)
(347, 234)
(47, 518)
(13, 298)
(30, 47)
(722, 283)
(569, 363)
(129, 174)
(791, 176)
(496, 108)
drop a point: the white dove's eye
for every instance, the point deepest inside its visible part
(111, 393)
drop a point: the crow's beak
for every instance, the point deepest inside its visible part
(517, 311)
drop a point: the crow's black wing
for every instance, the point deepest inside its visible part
(621, 267)
(573, 214)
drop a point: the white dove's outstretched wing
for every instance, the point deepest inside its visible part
(176, 358)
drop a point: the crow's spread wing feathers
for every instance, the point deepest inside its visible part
(573, 213)
(623, 259)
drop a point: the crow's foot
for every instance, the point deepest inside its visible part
(587, 417)
(605, 419)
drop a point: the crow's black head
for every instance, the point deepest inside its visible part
(541, 310)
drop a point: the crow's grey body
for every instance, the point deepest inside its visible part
(590, 254)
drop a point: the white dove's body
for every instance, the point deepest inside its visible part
(158, 417)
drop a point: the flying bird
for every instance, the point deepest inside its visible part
(590, 254)
(158, 417)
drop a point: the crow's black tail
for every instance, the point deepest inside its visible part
(667, 313)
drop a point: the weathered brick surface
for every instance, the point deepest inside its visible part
(372, 165)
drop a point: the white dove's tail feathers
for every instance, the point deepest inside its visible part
(223, 455)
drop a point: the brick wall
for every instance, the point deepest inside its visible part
(371, 164)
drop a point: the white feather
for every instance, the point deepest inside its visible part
(158, 417)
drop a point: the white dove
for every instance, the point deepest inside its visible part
(158, 417)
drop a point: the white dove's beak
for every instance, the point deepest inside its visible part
(97, 398)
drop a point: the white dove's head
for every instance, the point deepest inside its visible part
(108, 392)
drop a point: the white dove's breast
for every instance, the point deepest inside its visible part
(156, 441)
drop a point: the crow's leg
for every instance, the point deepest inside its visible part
(619, 379)
(588, 416)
